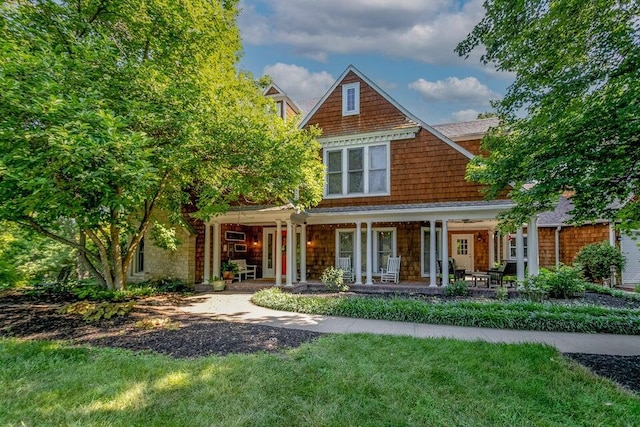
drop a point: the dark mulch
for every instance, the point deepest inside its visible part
(156, 325)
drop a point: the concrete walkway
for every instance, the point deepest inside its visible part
(237, 307)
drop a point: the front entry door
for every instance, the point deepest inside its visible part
(462, 250)
(270, 252)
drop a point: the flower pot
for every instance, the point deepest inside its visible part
(218, 285)
(228, 275)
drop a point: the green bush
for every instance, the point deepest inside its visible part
(595, 261)
(457, 289)
(501, 293)
(636, 289)
(94, 311)
(599, 289)
(333, 279)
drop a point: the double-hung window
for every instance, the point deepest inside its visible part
(384, 246)
(426, 249)
(357, 171)
(512, 246)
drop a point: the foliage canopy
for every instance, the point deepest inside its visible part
(113, 109)
(577, 84)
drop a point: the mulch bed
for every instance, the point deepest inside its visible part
(157, 325)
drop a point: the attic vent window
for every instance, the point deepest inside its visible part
(350, 99)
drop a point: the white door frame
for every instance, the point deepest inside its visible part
(470, 250)
(266, 271)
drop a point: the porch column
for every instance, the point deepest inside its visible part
(207, 252)
(612, 234)
(289, 273)
(492, 248)
(532, 246)
(358, 260)
(278, 252)
(499, 251)
(520, 254)
(369, 254)
(294, 253)
(217, 242)
(433, 274)
(303, 253)
(445, 253)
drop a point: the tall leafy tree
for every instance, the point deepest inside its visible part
(112, 109)
(571, 119)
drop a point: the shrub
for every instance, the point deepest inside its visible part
(564, 282)
(333, 279)
(457, 289)
(501, 293)
(596, 259)
(637, 289)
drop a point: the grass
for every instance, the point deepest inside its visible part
(522, 315)
(613, 292)
(338, 380)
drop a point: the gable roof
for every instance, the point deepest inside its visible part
(273, 91)
(393, 102)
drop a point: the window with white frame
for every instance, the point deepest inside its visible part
(512, 246)
(357, 171)
(351, 99)
(426, 249)
(384, 246)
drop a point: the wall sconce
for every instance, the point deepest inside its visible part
(479, 237)
(255, 239)
(308, 240)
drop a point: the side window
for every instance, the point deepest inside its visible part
(351, 99)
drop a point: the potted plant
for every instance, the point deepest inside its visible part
(229, 270)
(218, 283)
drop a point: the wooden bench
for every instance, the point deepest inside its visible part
(249, 271)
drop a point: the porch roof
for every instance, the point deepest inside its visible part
(463, 210)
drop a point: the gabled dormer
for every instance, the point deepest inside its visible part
(286, 107)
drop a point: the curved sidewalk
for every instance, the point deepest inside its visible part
(239, 308)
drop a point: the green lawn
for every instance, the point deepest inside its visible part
(338, 380)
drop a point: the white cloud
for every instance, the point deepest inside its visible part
(298, 82)
(453, 89)
(424, 30)
(465, 115)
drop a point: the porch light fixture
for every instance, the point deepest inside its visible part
(255, 239)
(308, 240)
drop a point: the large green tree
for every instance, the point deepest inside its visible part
(113, 109)
(571, 119)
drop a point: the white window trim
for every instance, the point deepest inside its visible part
(136, 259)
(422, 247)
(374, 248)
(345, 90)
(345, 171)
(507, 247)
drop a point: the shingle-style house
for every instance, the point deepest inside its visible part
(395, 186)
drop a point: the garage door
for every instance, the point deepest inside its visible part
(631, 273)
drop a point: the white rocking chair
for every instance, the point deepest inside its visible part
(345, 265)
(392, 272)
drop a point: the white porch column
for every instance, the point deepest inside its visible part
(294, 253)
(207, 252)
(369, 253)
(520, 254)
(499, 251)
(303, 253)
(433, 274)
(532, 246)
(445, 253)
(492, 248)
(358, 260)
(612, 235)
(289, 274)
(278, 252)
(217, 242)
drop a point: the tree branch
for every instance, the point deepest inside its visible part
(29, 222)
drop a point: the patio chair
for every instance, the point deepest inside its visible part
(392, 272)
(344, 263)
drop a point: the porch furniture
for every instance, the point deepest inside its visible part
(392, 272)
(455, 273)
(480, 277)
(248, 270)
(505, 273)
(344, 263)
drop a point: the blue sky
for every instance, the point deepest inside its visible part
(405, 46)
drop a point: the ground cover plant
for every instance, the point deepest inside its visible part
(519, 314)
(326, 382)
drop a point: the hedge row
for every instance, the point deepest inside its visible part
(523, 315)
